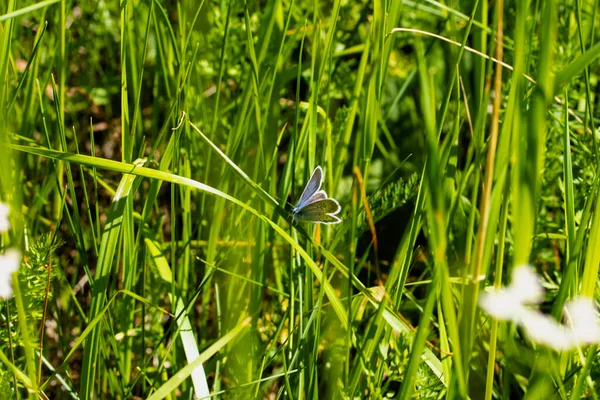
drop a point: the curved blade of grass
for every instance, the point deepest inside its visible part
(26, 10)
(260, 191)
(140, 171)
(575, 67)
(190, 346)
(172, 384)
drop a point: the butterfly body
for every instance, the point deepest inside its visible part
(314, 205)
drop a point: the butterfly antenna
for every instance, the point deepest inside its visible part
(286, 202)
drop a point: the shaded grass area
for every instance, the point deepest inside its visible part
(151, 153)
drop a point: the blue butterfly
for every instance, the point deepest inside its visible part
(314, 205)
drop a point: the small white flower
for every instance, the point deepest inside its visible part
(4, 223)
(525, 285)
(502, 305)
(545, 330)
(525, 288)
(583, 320)
(9, 263)
(583, 327)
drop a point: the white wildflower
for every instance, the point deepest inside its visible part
(582, 327)
(502, 305)
(545, 330)
(9, 263)
(583, 320)
(511, 304)
(507, 304)
(525, 285)
(4, 223)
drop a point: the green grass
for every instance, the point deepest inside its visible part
(151, 153)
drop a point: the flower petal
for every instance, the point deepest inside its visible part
(4, 222)
(9, 263)
(545, 330)
(583, 319)
(501, 305)
(526, 286)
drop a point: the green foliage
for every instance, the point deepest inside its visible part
(39, 272)
(388, 199)
(161, 141)
(37, 276)
(6, 386)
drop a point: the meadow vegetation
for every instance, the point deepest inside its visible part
(151, 153)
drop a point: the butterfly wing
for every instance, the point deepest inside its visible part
(329, 219)
(320, 195)
(312, 187)
(320, 211)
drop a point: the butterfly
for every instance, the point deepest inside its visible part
(314, 205)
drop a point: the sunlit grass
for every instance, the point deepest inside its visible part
(150, 154)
